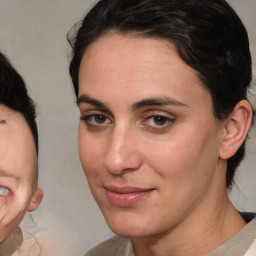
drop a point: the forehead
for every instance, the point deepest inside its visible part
(121, 64)
(17, 145)
(115, 52)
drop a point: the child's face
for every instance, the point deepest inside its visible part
(18, 171)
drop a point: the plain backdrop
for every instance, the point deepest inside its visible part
(33, 35)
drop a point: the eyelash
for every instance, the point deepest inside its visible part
(93, 124)
(163, 121)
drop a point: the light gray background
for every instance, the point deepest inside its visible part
(32, 34)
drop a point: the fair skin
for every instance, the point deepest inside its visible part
(152, 150)
(18, 171)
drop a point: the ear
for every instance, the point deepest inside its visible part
(236, 129)
(35, 200)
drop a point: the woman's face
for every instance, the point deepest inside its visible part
(18, 169)
(148, 139)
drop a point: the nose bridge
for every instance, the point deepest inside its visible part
(122, 153)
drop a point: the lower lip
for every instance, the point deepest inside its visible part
(126, 199)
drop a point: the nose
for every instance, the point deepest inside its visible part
(122, 153)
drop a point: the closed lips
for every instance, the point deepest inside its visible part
(126, 196)
(127, 189)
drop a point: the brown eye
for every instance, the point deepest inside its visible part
(100, 119)
(96, 120)
(160, 120)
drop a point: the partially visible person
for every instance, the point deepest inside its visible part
(19, 192)
(162, 91)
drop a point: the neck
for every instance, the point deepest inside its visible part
(200, 238)
(211, 224)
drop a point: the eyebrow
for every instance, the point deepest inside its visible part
(86, 99)
(4, 173)
(165, 101)
(153, 101)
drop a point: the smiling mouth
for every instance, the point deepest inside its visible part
(126, 196)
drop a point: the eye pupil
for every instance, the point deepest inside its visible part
(100, 118)
(159, 120)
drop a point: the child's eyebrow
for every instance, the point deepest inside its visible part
(4, 173)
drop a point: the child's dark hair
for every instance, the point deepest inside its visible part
(13, 94)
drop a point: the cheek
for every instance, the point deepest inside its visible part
(184, 158)
(184, 173)
(90, 153)
(3, 208)
(169, 159)
(12, 210)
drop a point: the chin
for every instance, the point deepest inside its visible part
(128, 225)
(128, 232)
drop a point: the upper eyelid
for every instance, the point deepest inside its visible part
(163, 116)
(162, 113)
(104, 111)
(168, 119)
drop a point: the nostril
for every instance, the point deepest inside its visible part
(122, 153)
(119, 162)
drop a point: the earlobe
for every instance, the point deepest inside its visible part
(35, 200)
(236, 128)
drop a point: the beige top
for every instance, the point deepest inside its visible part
(11, 243)
(236, 246)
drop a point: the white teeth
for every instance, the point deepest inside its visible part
(4, 191)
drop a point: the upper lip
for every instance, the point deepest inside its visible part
(126, 189)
